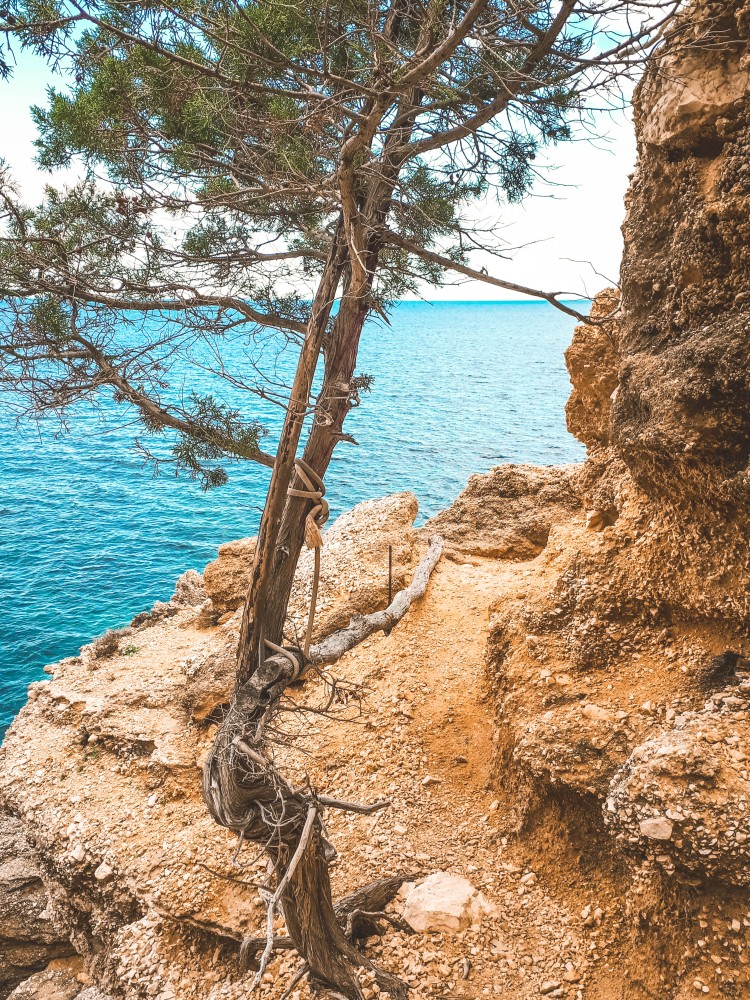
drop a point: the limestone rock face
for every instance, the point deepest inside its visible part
(690, 94)
(227, 578)
(681, 416)
(28, 939)
(354, 565)
(661, 396)
(507, 513)
(598, 657)
(446, 903)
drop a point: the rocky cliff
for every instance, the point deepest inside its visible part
(563, 723)
(624, 715)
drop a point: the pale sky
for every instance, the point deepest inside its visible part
(570, 230)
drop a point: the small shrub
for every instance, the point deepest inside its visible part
(108, 644)
(130, 650)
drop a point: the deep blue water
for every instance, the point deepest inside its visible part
(89, 537)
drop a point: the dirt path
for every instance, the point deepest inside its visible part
(426, 743)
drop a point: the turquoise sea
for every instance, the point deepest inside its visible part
(89, 537)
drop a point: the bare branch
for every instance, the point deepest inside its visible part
(334, 646)
(470, 272)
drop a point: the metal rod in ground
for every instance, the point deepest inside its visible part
(390, 575)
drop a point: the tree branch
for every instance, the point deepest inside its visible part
(358, 629)
(470, 272)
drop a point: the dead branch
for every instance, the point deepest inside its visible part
(274, 901)
(453, 265)
(334, 646)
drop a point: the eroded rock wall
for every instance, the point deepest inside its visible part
(661, 396)
(621, 665)
(681, 415)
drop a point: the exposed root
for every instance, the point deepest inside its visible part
(245, 793)
(358, 915)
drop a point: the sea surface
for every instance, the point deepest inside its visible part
(88, 536)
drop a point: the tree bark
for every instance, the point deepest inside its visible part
(264, 604)
(245, 793)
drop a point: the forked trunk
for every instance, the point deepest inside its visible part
(237, 777)
(265, 621)
(262, 602)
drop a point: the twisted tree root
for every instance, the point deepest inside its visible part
(358, 915)
(245, 793)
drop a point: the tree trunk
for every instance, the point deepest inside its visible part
(231, 780)
(259, 620)
(265, 621)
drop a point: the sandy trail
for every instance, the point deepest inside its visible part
(425, 742)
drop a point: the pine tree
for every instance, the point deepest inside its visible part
(233, 155)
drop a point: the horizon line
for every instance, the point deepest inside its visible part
(514, 302)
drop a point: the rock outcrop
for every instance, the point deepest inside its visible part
(507, 513)
(354, 568)
(681, 417)
(593, 361)
(659, 581)
(226, 579)
(681, 798)
(103, 765)
(189, 590)
(28, 938)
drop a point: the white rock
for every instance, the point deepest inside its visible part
(445, 902)
(597, 712)
(656, 828)
(103, 872)
(78, 854)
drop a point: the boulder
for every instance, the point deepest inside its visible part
(227, 578)
(681, 797)
(507, 513)
(446, 903)
(28, 938)
(354, 565)
(593, 362)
